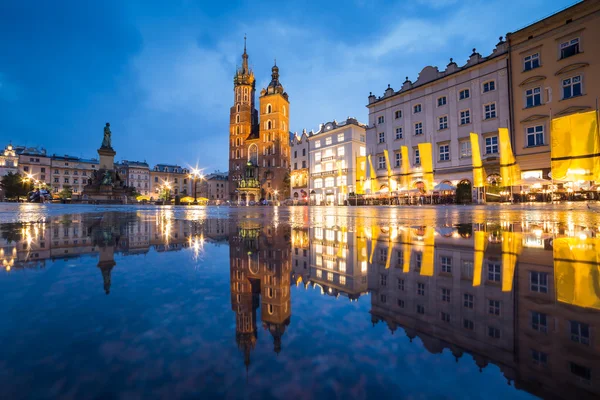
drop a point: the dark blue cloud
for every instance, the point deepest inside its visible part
(161, 72)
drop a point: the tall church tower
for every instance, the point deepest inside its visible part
(243, 120)
(274, 134)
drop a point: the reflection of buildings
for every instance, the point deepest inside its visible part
(464, 290)
(29, 245)
(338, 259)
(260, 276)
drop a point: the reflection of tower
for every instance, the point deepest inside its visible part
(277, 268)
(106, 264)
(260, 273)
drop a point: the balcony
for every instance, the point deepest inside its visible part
(329, 173)
(248, 184)
(327, 158)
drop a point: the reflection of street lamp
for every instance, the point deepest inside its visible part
(167, 187)
(275, 192)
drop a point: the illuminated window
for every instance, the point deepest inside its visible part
(342, 280)
(465, 148)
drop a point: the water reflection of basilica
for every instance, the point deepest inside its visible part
(523, 297)
(260, 277)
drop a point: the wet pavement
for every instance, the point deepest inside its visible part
(291, 302)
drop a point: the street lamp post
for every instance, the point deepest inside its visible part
(195, 175)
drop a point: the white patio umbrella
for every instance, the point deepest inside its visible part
(441, 187)
(533, 181)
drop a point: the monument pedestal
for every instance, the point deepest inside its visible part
(106, 185)
(107, 158)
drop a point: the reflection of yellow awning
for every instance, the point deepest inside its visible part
(373, 235)
(428, 252)
(143, 197)
(388, 257)
(480, 243)
(406, 251)
(577, 271)
(512, 243)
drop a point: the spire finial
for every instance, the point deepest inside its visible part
(275, 61)
(244, 43)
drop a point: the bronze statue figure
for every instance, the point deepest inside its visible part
(106, 142)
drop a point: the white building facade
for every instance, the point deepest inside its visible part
(332, 161)
(299, 174)
(136, 174)
(442, 108)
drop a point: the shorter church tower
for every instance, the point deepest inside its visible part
(275, 137)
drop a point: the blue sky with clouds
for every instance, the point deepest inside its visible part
(161, 72)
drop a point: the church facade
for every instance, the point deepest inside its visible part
(259, 149)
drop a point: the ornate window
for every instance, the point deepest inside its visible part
(253, 154)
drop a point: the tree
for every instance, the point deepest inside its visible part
(286, 185)
(14, 186)
(66, 193)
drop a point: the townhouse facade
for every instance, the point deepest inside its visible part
(299, 174)
(214, 187)
(175, 177)
(555, 71)
(136, 174)
(71, 172)
(332, 160)
(36, 163)
(441, 108)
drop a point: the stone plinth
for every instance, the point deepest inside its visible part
(107, 158)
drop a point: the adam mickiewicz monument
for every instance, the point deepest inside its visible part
(106, 185)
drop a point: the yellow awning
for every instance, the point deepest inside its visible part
(575, 147)
(426, 155)
(361, 174)
(405, 179)
(509, 170)
(478, 170)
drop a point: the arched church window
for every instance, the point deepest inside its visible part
(253, 154)
(238, 108)
(237, 154)
(269, 125)
(269, 109)
(237, 119)
(237, 130)
(237, 142)
(284, 111)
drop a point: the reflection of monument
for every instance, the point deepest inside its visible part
(260, 275)
(106, 185)
(106, 264)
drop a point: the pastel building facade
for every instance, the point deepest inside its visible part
(442, 108)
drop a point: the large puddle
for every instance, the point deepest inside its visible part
(300, 304)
